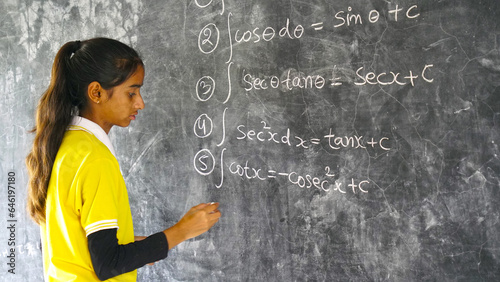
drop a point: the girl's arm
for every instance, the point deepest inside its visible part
(111, 259)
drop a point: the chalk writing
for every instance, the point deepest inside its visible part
(298, 80)
(269, 33)
(317, 26)
(335, 142)
(391, 77)
(343, 18)
(204, 5)
(292, 80)
(205, 88)
(204, 162)
(223, 128)
(203, 126)
(228, 82)
(208, 41)
(287, 30)
(258, 34)
(308, 181)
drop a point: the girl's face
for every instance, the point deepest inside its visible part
(124, 104)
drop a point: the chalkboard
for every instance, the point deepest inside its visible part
(345, 140)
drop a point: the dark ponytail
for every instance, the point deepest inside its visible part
(76, 65)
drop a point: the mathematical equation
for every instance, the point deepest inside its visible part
(210, 38)
(292, 79)
(205, 164)
(299, 80)
(204, 125)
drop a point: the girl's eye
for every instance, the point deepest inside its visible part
(131, 94)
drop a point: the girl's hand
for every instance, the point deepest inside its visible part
(198, 220)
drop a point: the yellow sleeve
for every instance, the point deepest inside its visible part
(100, 183)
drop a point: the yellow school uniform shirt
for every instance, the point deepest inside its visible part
(86, 194)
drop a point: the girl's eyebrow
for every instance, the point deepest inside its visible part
(135, 85)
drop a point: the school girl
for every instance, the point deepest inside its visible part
(76, 191)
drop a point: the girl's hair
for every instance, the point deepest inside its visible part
(76, 65)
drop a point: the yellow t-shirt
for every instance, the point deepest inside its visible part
(86, 194)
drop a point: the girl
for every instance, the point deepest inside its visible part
(76, 191)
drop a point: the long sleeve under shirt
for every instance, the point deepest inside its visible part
(111, 259)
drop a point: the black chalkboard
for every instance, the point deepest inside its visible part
(345, 140)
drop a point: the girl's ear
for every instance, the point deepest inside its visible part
(94, 91)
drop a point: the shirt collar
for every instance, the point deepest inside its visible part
(81, 123)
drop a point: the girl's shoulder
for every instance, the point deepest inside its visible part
(84, 144)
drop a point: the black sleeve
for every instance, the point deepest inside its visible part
(111, 259)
